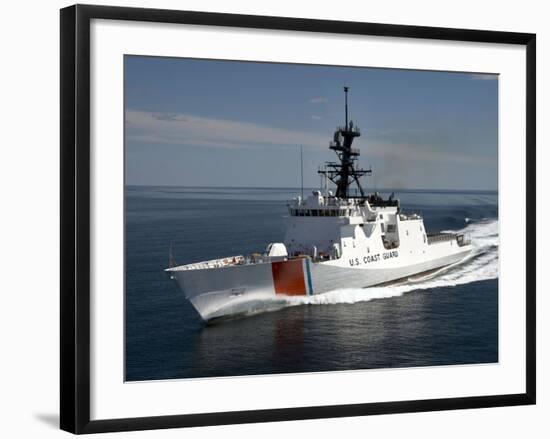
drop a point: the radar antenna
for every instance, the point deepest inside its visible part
(344, 174)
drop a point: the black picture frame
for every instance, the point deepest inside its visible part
(75, 217)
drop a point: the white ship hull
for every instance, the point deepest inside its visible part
(236, 289)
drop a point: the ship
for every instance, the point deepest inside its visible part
(342, 237)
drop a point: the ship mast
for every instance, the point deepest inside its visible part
(344, 174)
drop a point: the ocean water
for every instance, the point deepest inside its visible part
(449, 317)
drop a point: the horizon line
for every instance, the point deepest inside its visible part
(382, 189)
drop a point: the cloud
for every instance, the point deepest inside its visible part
(316, 117)
(407, 153)
(483, 76)
(188, 129)
(318, 100)
(376, 133)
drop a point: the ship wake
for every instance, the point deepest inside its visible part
(481, 264)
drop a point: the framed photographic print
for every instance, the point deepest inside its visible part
(268, 218)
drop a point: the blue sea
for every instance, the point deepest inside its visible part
(446, 318)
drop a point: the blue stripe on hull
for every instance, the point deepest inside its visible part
(308, 275)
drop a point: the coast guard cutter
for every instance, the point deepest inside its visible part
(345, 239)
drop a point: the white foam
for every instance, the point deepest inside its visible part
(481, 264)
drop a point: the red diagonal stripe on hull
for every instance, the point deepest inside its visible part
(288, 277)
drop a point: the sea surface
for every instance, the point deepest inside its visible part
(448, 318)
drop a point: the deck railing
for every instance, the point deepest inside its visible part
(214, 263)
(441, 237)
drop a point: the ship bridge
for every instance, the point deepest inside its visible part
(318, 225)
(319, 205)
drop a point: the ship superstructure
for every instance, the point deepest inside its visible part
(341, 239)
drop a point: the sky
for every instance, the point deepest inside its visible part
(191, 122)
